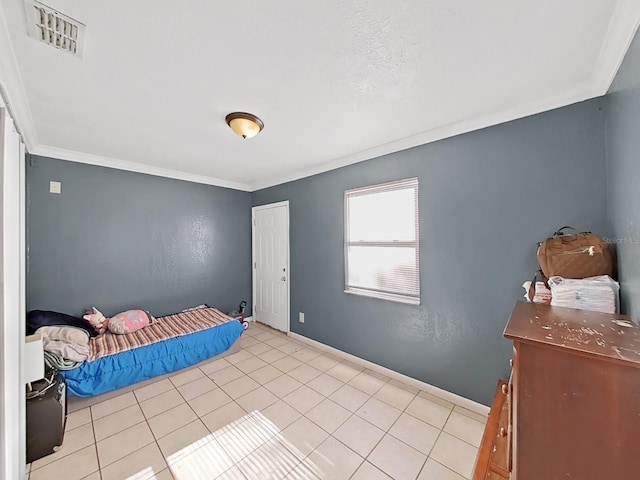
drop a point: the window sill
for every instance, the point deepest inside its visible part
(383, 296)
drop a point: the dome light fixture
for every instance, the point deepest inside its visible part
(244, 124)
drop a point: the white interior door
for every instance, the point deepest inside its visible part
(271, 265)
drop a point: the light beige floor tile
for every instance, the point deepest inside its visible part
(186, 376)
(240, 386)
(368, 471)
(303, 436)
(367, 383)
(142, 464)
(265, 374)
(286, 364)
(335, 460)
(397, 459)
(435, 399)
(432, 470)
(247, 340)
(250, 364)
(116, 422)
(257, 399)
(277, 341)
(465, 428)
(226, 375)
(325, 384)
(93, 476)
(359, 434)
(184, 440)
(112, 405)
(123, 443)
(153, 389)
(468, 413)
(241, 438)
(304, 373)
(271, 461)
(395, 396)
(223, 416)
(171, 420)
(264, 336)
(203, 459)
(210, 367)
(283, 385)
(74, 440)
(344, 371)
(238, 357)
(349, 397)
(305, 354)
(429, 411)
(380, 414)
(78, 418)
(328, 415)
(209, 402)
(234, 473)
(404, 386)
(196, 388)
(162, 475)
(281, 414)
(271, 356)
(73, 467)
(323, 362)
(303, 399)
(305, 470)
(161, 403)
(455, 454)
(415, 433)
(258, 348)
(290, 347)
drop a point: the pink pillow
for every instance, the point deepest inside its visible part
(129, 321)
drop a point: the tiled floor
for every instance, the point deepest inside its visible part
(277, 409)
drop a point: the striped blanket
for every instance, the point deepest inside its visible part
(161, 329)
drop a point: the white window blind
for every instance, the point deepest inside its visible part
(381, 241)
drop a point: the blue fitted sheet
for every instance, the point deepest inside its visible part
(133, 366)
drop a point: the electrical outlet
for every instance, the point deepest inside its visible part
(55, 187)
(301, 317)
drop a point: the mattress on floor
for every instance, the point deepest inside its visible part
(134, 365)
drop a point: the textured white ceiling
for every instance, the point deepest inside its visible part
(335, 82)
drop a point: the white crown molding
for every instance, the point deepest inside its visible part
(109, 162)
(622, 29)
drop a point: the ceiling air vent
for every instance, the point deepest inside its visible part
(54, 28)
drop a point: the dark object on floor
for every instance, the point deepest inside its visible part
(239, 314)
(44, 318)
(46, 417)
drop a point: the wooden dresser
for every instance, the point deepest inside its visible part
(571, 409)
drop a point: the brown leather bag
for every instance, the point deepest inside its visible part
(579, 255)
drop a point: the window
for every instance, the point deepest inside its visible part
(381, 241)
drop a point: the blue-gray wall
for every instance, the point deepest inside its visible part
(486, 198)
(121, 240)
(623, 175)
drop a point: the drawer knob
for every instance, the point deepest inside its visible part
(503, 432)
(505, 388)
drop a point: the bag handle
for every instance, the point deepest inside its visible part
(559, 231)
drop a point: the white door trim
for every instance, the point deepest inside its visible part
(284, 203)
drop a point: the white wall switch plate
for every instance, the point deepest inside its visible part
(301, 317)
(55, 187)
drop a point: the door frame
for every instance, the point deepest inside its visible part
(284, 203)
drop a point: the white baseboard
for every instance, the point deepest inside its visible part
(438, 392)
(249, 319)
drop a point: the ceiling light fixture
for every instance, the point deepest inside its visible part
(246, 125)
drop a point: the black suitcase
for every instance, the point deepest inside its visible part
(46, 418)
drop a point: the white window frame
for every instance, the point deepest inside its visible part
(380, 188)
